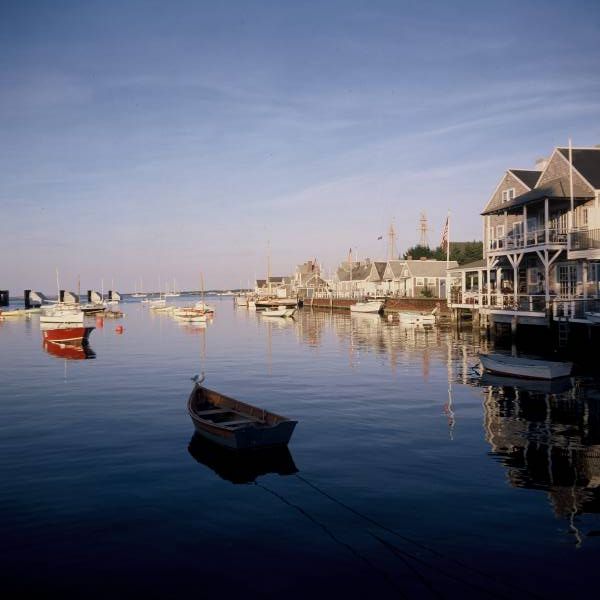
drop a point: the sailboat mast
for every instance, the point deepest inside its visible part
(269, 266)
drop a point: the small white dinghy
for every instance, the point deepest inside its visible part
(282, 311)
(528, 368)
(414, 318)
(373, 306)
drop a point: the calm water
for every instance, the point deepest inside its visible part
(406, 476)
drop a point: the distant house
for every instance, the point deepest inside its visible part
(417, 278)
(307, 280)
(274, 286)
(359, 278)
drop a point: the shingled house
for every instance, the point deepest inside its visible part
(541, 243)
(416, 278)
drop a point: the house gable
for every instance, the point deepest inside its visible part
(556, 177)
(508, 182)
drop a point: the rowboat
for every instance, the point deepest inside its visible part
(372, 306)
(242, 467)
(66, 333)
(235, 424)
(414, 318)
(528, 368)
(282, 311)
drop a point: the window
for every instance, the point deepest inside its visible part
(566, 277)
(508, 195)
(420, 281)
(499, 231)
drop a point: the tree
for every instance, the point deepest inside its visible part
(461, 252)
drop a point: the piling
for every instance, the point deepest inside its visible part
(4, 298)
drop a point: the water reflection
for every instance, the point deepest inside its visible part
(242, 466)
(549, 441)
(69, 351)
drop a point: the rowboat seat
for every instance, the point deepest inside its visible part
(212, 411)
(238, 422)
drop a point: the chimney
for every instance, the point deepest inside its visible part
(541, 164)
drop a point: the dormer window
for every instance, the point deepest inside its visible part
(508, 195)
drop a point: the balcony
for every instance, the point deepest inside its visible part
(533, 239)
(585, 239)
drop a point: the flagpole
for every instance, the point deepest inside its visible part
(447, 257)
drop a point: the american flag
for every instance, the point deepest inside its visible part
(444, 242)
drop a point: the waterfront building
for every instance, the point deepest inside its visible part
(359, 278)
(307, 281)
(541, 244)
(281, 287)
(416, 278)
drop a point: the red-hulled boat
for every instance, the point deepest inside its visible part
(67, 334)
(69, 350)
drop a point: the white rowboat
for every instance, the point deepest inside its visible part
(282, 311)
(373, 306)
(529, 368)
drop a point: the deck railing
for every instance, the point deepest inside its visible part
(584, 239)
(499, 301)
(574, 308)
(535, 237)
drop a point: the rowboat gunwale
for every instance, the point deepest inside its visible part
(242, 433)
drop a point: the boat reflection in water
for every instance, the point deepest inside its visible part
(549, 440)
(242, 466)
(69, 351)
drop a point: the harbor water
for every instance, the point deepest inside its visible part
(407, 475)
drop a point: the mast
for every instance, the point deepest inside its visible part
(57, 286)
(391, 241)
(269, 267)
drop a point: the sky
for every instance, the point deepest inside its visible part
(155, 141)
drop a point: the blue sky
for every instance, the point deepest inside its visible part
(161, 139)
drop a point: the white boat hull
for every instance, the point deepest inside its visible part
(528, 368)
(374, 306)
(416, 318)
(280, 312)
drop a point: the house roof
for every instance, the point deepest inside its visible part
(263, 282)
(587, 162)
(472, 266)
(555, 189)
(360, 271)
(380, 268)
(396, 266)
(429, 268)
(529, 178)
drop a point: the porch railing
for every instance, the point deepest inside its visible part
(585, 239)
(499, 301)
(536, 237)
(576, 308)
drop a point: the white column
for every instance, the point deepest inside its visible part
(524, 225)
(546, 219)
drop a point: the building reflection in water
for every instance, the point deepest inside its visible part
(548, 440)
